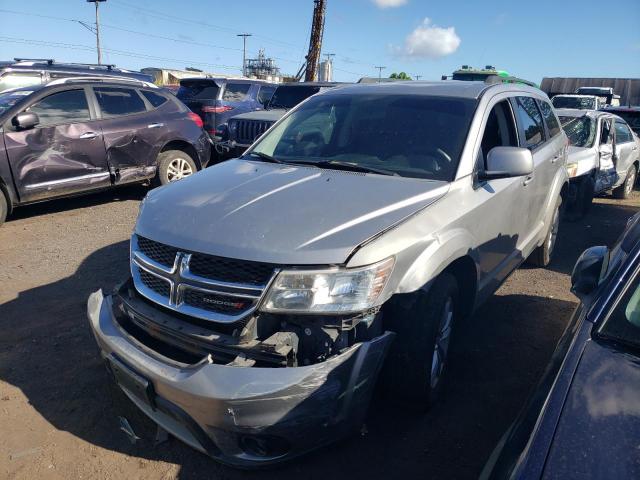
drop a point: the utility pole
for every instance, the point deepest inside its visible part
(97, 30)
(315, 42)
(418, 77)
(380, 68)
(244, 51)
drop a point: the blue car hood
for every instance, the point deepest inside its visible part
(280, 214)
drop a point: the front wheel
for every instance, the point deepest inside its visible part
(418, 361)
(541, 256)
(624, 190)
(174, 165)
(4, 207)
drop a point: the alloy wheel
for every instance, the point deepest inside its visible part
(177, 169)
(553, 235)
(631, 180)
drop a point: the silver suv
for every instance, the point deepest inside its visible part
(269, 291)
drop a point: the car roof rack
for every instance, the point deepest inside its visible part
(492, 79)
(50, 61)
(107, 79)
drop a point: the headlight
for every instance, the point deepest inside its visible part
(572, 169)
(339, 290)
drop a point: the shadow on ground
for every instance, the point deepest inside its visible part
(131, 192)
(48, 351)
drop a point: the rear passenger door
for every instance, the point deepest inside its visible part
(131, 135)
(545, 154)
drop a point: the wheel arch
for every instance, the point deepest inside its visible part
(184, 147)
(8, 195)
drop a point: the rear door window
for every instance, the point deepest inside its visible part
(529, 120)
(115, 102)
(236, 92)
(63, 107)
(623, 135)
(550, 118)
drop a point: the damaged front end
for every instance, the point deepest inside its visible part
(251, 391)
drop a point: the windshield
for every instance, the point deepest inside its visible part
(18, 80)
(623, 324)
(10, 98)
(581, 131)
(581, 103)
(197, 90)
(409, 135)
(289, 97)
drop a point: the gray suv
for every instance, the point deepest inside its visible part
(268, 292)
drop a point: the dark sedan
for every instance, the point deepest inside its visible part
(583, 422)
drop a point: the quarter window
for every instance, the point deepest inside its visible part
(63, 107)
(236, 92)
(623, 135)
(530, 121)
(550, 118)
(265, 93)
(115, 102)
(154, 99)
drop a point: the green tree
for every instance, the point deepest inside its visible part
(401, 76)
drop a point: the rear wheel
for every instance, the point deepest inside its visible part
(541, 256)
(624, 190)
(417, 364)
(174, 165)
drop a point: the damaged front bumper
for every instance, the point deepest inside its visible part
(241, 415)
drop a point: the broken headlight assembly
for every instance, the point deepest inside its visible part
(330, 291)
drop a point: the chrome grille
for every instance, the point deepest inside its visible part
(248, 130)
(203, 286)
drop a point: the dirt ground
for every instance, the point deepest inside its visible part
(59, 413)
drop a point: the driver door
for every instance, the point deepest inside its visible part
(63, 154)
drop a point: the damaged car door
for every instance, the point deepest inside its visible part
(131, 136)
(59, 149)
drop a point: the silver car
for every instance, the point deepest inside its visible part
(604, 155)
(268, 292)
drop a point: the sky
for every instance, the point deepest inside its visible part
(423, 38)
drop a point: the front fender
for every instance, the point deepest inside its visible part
(436, 257)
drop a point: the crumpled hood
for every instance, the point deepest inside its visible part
(280, 214)
(261, 115)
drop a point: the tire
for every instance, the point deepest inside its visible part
(624, 191)
(541, 256)
(416, 366)
(583, 201)
(174, 165)
(4, 207)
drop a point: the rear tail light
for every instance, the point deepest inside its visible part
(222, 109)
(196, 119)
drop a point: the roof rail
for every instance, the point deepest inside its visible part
(47, 60)
(491, 79)
(108, 66)
(109, 79)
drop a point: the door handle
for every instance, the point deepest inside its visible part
(527, 180)
(555, 159)
(155, 125)
(88, 135)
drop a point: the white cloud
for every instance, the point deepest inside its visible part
(389, 3)
(430, 41)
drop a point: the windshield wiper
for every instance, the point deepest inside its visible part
(264, 157)
(354, 167)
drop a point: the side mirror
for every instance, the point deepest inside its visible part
(589, 270)
(507, 162)
(25, 120)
